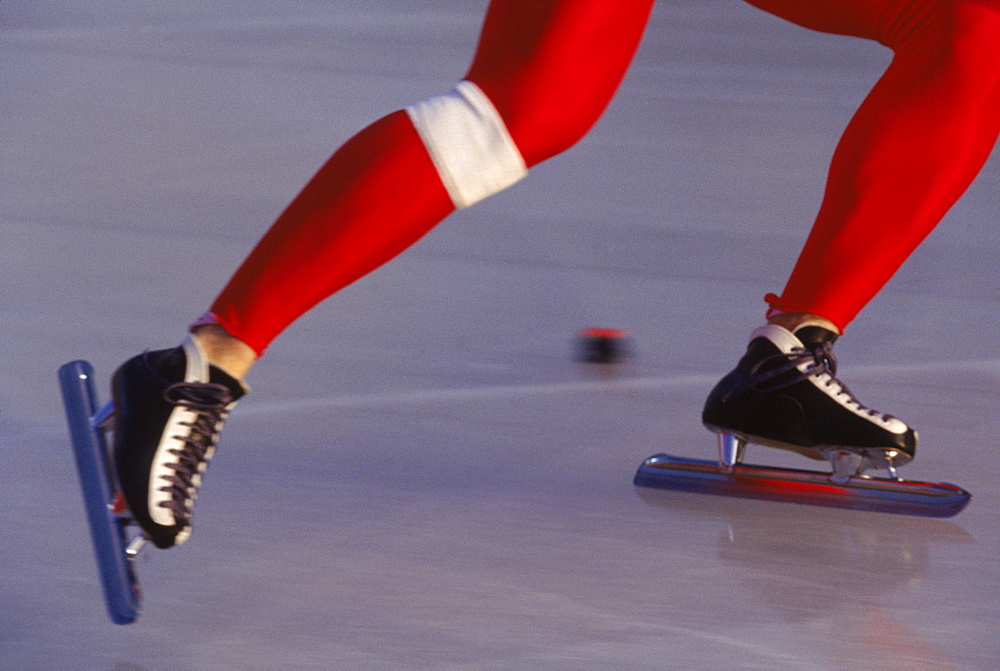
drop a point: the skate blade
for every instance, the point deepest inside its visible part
(115, 536)
(903, 497)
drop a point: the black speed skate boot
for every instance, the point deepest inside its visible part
(784, 393)
(169, 408)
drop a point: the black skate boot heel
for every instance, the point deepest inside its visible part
(169, 409)
(784, 393)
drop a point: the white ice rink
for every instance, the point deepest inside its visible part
(423, 476)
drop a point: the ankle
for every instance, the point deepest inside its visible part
(792, 321)
(225, 350)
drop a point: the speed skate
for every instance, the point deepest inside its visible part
(848, 483)
(115, 536)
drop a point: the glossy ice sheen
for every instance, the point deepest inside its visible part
(424, 476)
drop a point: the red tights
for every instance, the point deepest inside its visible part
(911, 150)
(550, 68)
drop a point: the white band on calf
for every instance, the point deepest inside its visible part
(474, 154)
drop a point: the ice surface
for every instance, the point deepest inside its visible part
(423, 476)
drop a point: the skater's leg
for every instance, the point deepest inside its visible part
(542, 75)
(911, 150)
(376, 195)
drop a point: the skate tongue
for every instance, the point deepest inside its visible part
(815, 336)
(819, 340)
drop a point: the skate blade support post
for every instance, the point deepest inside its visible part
(115, 536)
(845, 486)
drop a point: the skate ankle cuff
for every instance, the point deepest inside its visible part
(207, 318)
(781, 337)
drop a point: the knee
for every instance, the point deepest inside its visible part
(547, 118)
(977, 32)
(469, 143)
(971, 50)
(962, 35)
(482, 141)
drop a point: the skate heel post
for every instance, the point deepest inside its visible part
(101, 421)
(731, 449)
(891, 459)
(846, 465)
(135, 547)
